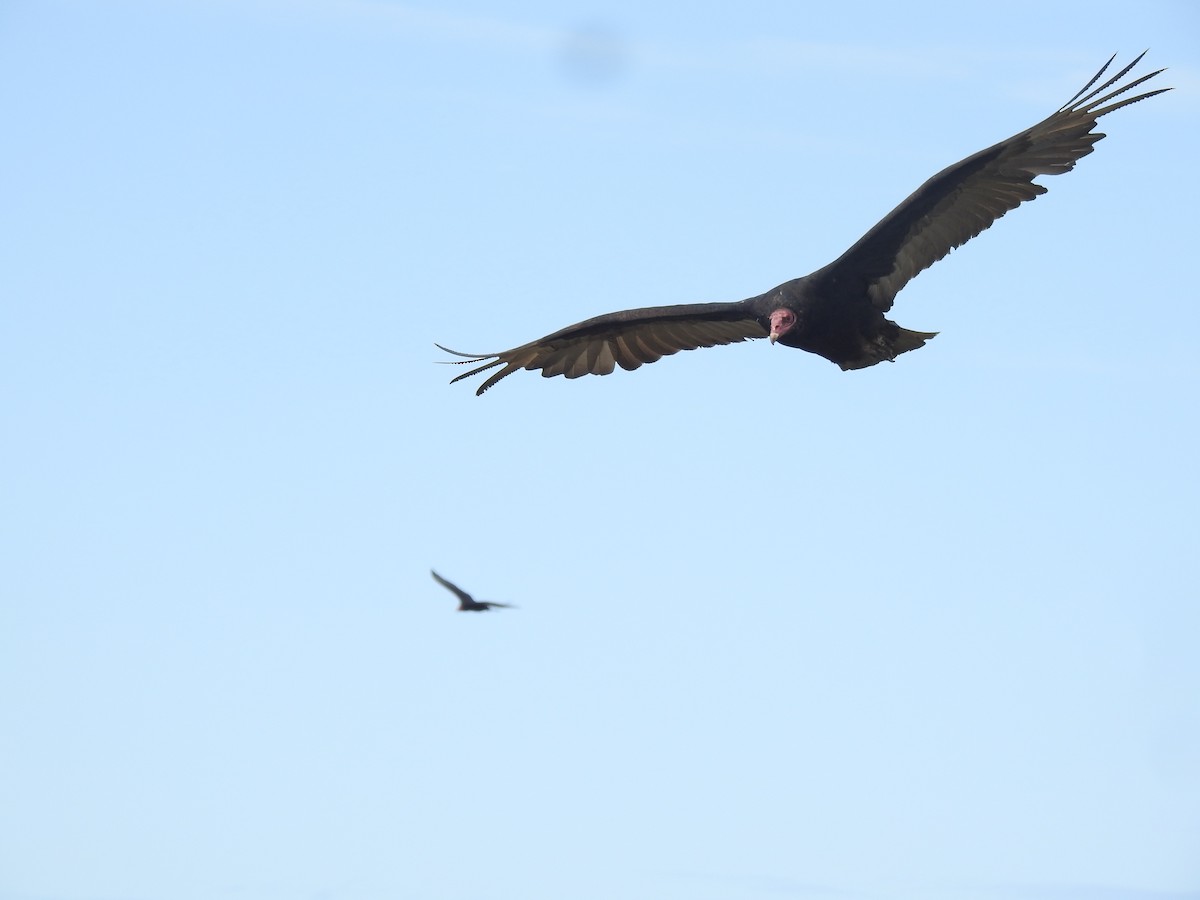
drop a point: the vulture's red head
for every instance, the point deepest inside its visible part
(782, 321)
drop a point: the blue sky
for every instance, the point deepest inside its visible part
(923, 630)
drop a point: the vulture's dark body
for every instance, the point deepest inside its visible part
(833, 322)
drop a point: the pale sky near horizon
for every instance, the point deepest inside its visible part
(925, 630)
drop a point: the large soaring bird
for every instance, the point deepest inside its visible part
(838, 312)
(466, 603)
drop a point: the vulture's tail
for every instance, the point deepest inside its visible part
(889, 344)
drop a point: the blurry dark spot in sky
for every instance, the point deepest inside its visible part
(594, 55)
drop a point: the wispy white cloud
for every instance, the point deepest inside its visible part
(431, 23)
(1078, 892)
(786, 54)
(767, 53)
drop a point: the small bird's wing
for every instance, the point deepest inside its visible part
(457, 591)
(963, 200)
(627, 339)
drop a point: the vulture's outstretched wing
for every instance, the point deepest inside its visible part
(458, 592)
(963, 200)
(627, 339)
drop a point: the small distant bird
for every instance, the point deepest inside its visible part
(467, 603)
(838, 311)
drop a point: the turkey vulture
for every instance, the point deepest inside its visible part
(838, 312)
(467, 603)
